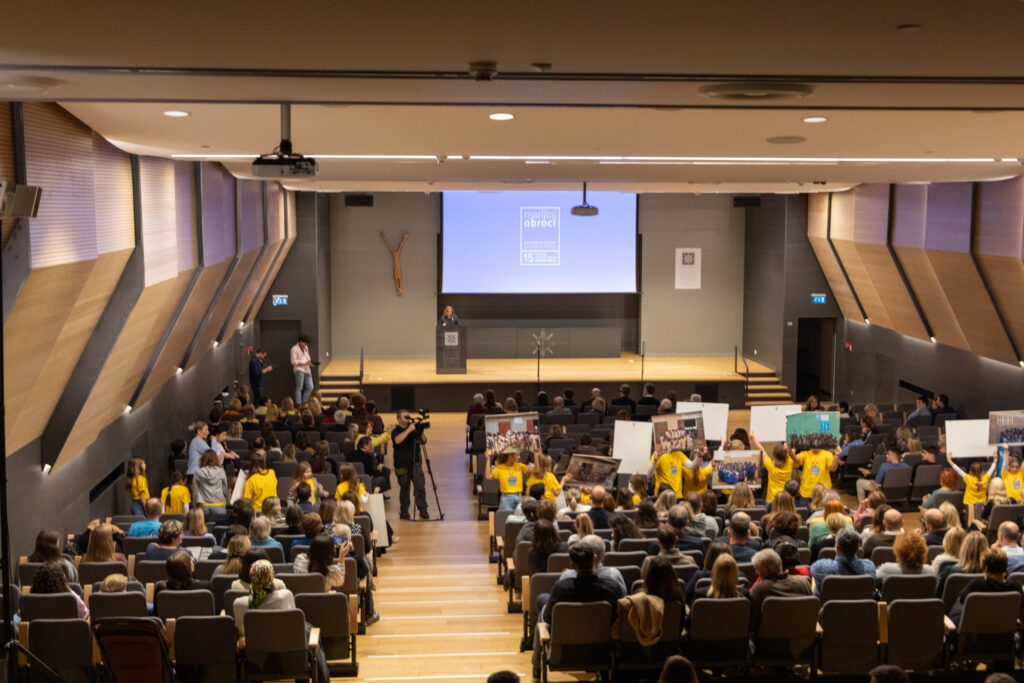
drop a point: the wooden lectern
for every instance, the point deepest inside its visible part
(451, 350)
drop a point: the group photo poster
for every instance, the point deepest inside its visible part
(729, 468)
(512, 432)
(813, 430)
(679, 432)
(1006, 428)
(590, 470)
(768, 423)
(967, 439)
(716, 418)
(633, 445)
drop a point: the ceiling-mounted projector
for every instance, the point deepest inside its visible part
(282, 162)
(584, 209)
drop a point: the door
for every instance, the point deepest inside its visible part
(815, 358)
(277, 337)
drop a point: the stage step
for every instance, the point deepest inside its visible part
(333, 386)
(765, 389)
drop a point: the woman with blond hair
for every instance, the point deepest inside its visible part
(725, 580)
(741, 498)
(969, 561)
(951, 514)
(584, 527)
(664, 502)
(818, 530)
(195, 524)
(238, 546)
(951, 544)
(101, 545)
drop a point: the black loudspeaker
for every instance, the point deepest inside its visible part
(742, 202)
(359, 200)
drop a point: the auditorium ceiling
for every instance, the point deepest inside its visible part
(651, 97)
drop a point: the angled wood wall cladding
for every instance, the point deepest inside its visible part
(8, 171)
(817, 234)
(999, 248)
(78, 244)
(252, 239)
(281, 227)
(860, 234)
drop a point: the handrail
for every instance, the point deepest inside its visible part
(360, 369)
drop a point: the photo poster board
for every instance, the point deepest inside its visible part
(968, 439)
(729, 468)
(512, 432)
(679, 432)
(768, 423)
(811, 430)
(375, 508)
(590, 470)
(716, 418)
(633, 445)
(1005, 427)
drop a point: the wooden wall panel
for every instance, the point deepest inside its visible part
(113, 197)
(52, 340)
(251, 228)
(856, 213)
(8, 171)
(184, 331)
(252, 240)
(125, 364)
(1000, 249)
(222, 309)
(817, 234)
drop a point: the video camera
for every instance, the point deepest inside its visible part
(423, 421)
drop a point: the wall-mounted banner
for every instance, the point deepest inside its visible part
(687, 268)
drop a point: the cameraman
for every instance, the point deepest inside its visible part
(409, 464)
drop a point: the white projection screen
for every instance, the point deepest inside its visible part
(530, 243)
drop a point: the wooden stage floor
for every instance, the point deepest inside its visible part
(512, 370)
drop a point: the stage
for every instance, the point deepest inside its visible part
(413, 382)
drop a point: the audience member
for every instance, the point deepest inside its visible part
(667, 550)
(892, 528)
(773, 582)
(48, 548)
(911, 558)
(968, 562)
(168, 540)
(180, 570)
(935, 526)
(151, 525)
(993, 563)
(892, 462)
(1008, 540)
(846, 562)
(623, 399)
(51, 579)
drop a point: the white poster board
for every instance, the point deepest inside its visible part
(716, 418)
(375, 508)
(768, 423)
(687, 268)
(967, 439)
(633, 445)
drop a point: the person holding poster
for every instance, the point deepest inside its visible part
(510, 474)
(696, 480)
(541, 474)
(975, 479)
(779, 467)
(817, 465)
(1013, 477)
(668, 469)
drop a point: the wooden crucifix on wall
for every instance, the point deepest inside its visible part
(396, 255)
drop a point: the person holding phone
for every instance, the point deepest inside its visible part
(326, 556)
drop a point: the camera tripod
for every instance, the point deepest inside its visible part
(422, 446)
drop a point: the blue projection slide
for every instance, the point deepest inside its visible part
(530, 243)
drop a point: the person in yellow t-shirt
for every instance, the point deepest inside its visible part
(511, 475)
(668, 469)
(638, 485)
(138, 486)
(176, 497)
(541, 473)
(697, 478)
(1013, 477)
(779, 467)
(349, 480)
(817, 466)
(975, 479)
(262, 483)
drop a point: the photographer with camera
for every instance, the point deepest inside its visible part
(408, 439)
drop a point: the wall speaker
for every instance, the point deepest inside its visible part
(359, 200)
(746, 201)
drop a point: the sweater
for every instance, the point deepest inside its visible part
(644, 613)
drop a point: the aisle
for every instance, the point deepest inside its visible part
(443, 616)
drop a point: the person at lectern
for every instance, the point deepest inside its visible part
(448, 317)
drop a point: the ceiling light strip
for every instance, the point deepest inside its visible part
(637, 159)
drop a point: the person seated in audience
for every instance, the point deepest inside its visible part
(812, 404)
(792, 487)
(701, 523)
(783, 530)
(646, 516)
(292, 519)
(716, 549)
(261, 482)
(151, 525)
(623, 500)
(725, 581)
(304, 498)
(236, 550)
(623, 528)
(935, 526)
(1008, 540)
(783, 503)
(476, 408)
(51, 579)
(867, 428)
(572, 503)
(667, 550)
(920, 412)
(817, 525)
(554, 432)
(741, 498)
(844, 410)
(545, 542)
(940, 406)
(996, 496)
(947, 482)
(738, 531)
(892, 528)
(664, 502)
(678, 669)
(349, 480)
(304, 475)
(218, 440)
(251, 557)
(326, 557)
(893, 461)
(1013, 478)
(647, 397)
(210, 484)
(868, 506)
(817, 466)
(180, 570)
(595, 394)
(584, 526)
(887, 673)
(262, 595)
(952, 541)
(542, 400)
(911, 558)
(666, 407)
(102, 547)
(559, 407)
(522, 405)
(240, 512)
(679, 521)
(846, 562)
(310, 526)
(271, 509)
(545, 509)
(968, 562)
(249, 414)
(195, 525)
(790, 556)
(259, 533)
(976, 479)
(660, 580)
(168, 541)
(48, 548)
(835, 523)
(638, 487)
(773, 581)
(816, 502)
(994, 564)
(827, 495)
(586, 446)
(598, 514)
(328, 512)
(582, 584)
(624, 400)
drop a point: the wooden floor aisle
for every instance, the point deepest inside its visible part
(443, 616)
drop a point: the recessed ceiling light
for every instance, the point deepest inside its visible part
(815, 119)
(176, 113)
(501, 116)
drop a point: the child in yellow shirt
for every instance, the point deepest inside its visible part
(262, 483)
(176, 497)
(138, 486)
(541, 473)
(975, 479)
(779, 467)
(1013, 477)
(511, 475)
(349, 480)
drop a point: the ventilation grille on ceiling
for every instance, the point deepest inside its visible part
(756, 91)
